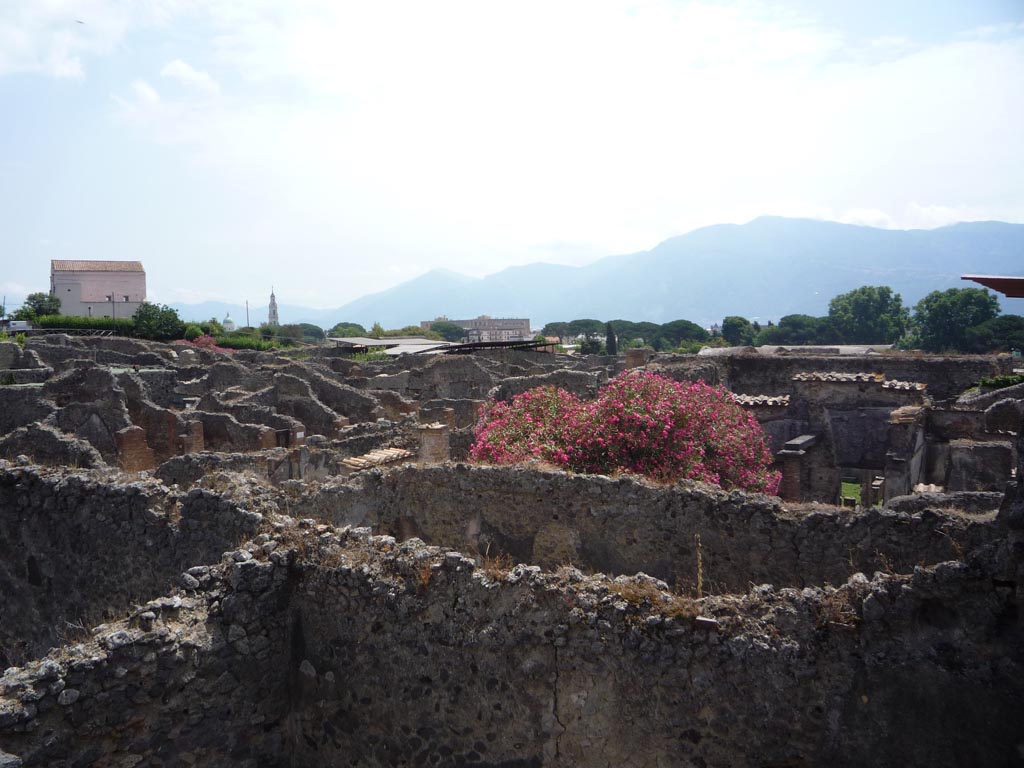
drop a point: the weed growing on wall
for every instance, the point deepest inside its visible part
(641, 423)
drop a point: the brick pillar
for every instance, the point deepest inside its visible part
(448, 415)
(133, 453)
(435, 447)
(789, 488)
(196, 437)
(636, 357)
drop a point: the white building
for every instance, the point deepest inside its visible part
(486, 328)
(98, 288)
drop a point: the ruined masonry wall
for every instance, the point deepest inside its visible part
(946, 377)
(193, 680)
(367, 652)
(625, 526)
(74, 551)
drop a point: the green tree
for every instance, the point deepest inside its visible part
(158, 322)
(590, 347)
(799, 329)
(414, 331)
(610, 342)
(376, 331)
(677, 331)
(1000, 334)
(561, 330)
(36, 305)
(211, 327)
(586, 327)
(943, 318)
(291, 331)
(871, 314)
(737, 330)
(448, 331)
(300, 331)
(343, 329)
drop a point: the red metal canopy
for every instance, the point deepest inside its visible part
(1012, 287)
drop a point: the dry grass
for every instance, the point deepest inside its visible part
(837, 610)
(423, 577)
(496, 567)
(645, 594)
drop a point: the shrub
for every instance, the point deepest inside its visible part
(640, 423)
(123, 326)
(192, 332)
(19, 339)
(158, 322)
(1002, 381)
(375, 355)
(245, 342)
(532, 426)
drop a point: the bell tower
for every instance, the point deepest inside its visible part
(272, 318)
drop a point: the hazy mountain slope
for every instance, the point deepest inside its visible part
(763, 270)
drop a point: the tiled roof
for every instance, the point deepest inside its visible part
(836, 376)
(58, 265)
(769, 400)
(906, 385)
(376, 458)
(850, 378)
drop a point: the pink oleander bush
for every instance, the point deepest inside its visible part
(639, 423)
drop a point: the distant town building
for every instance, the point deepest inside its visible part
(486, 328)
(272, 318)
(98, 288)
(228, 325)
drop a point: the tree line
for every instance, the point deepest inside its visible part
(954, 320)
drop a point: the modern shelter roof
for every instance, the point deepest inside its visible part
(1011, 287)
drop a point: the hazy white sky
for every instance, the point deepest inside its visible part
(336, 148)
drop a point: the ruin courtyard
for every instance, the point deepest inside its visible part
(286, 559)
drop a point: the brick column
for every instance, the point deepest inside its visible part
(636, 357)
(133, 453)
(789, 488)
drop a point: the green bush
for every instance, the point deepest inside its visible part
(19, 339)
(158, 322)
(192, 332)
(245, 342)
(1005, 380)
(373, 356)
(123, 326)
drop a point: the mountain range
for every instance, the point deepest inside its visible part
(761, 270)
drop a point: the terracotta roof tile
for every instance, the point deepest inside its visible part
(59, 265)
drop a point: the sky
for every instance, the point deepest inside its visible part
(332, 149)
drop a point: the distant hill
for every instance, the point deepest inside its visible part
(762, 270)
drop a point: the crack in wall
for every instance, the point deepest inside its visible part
(555, 704)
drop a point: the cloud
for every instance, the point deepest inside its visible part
(192, 78)
(47, 38)
(426, 134)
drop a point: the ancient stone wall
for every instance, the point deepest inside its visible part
(946, 377)
(74, 550)
(199, 679)
(440, 663)
(625, 526)
(360, 651)
(22, 405)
